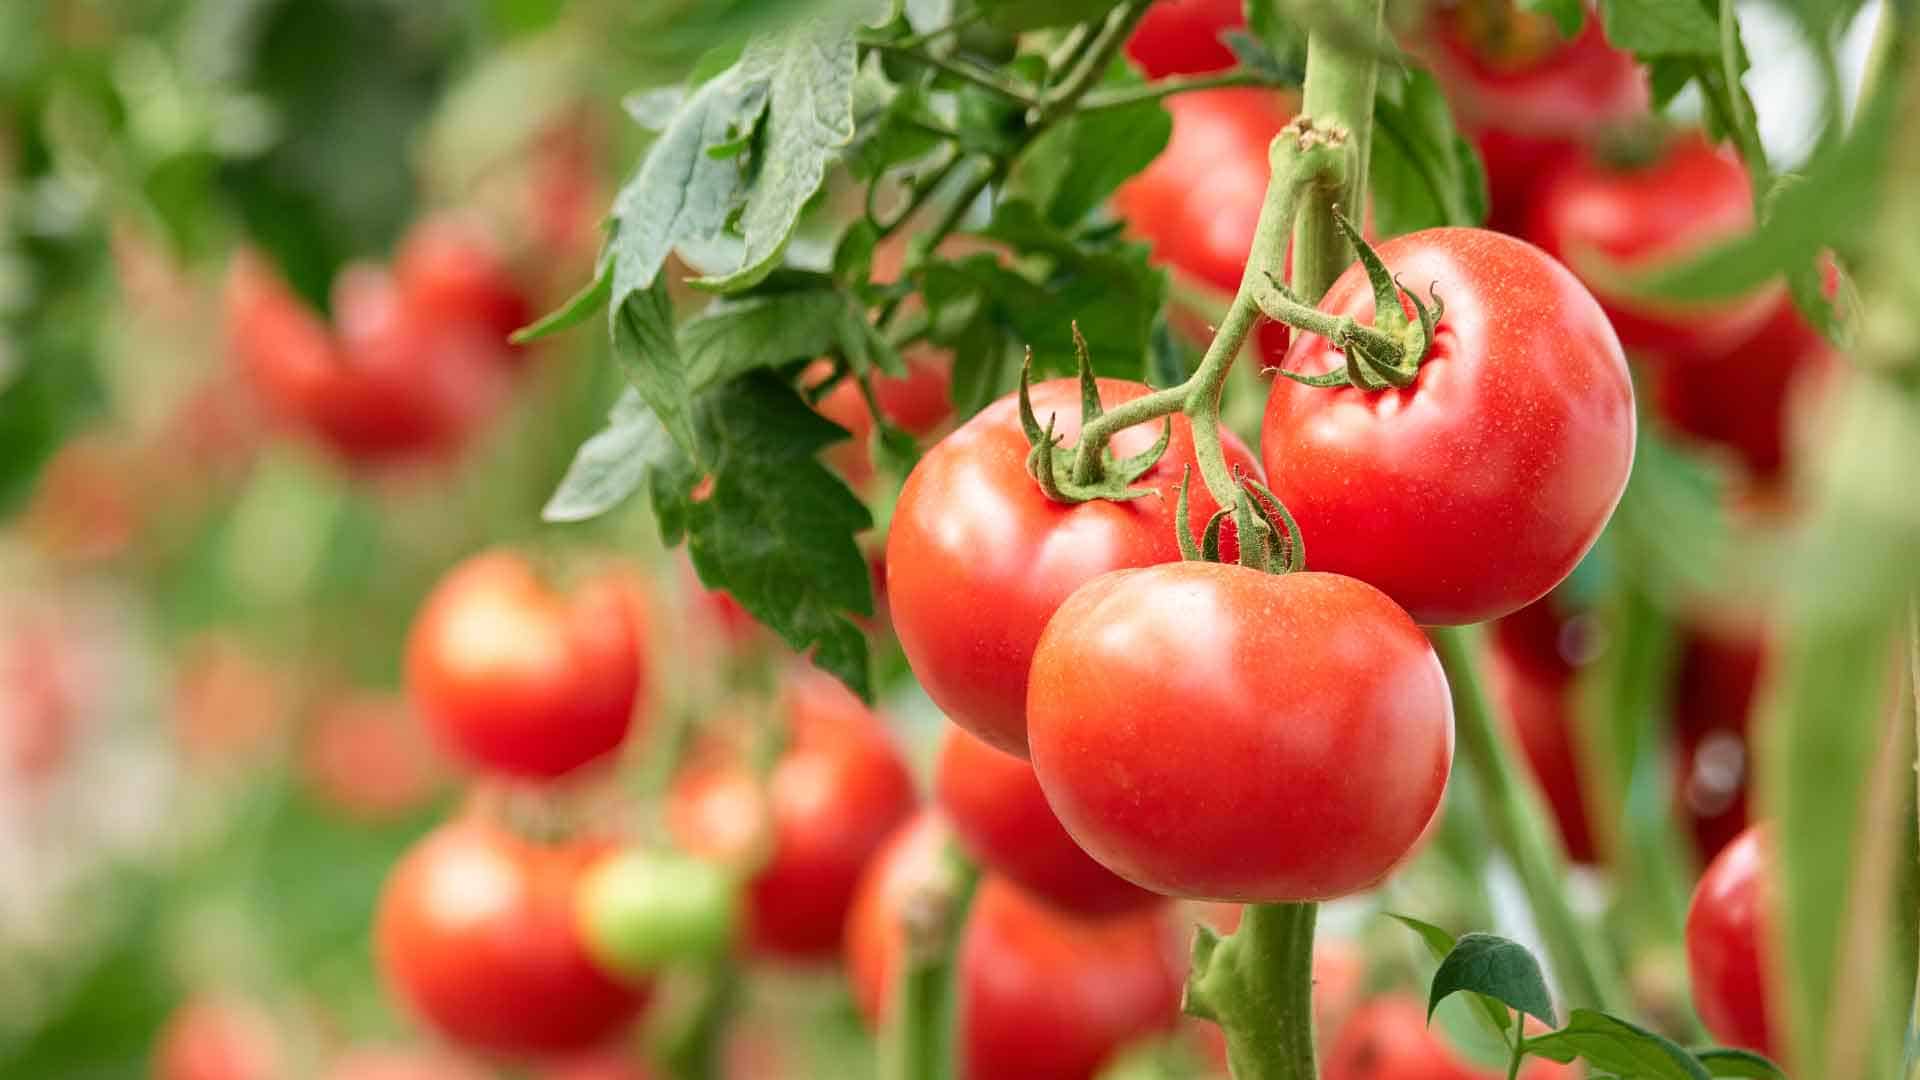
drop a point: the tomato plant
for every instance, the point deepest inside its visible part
(1390, 1038)
(1727, 928)
(520, 681)
(1042, 994)
(449, 272)
(978, 557)
(1317, 798)
(475, 934)
(1470, 493)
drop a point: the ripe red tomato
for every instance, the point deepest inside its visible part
(1742, 399)
(450, 271)
(1532, 682)
(1182, 37)
(380, 1063)
(1713, 695)
(1473, 492)
(1526, 95)
(475, 932)
(518, 680)
(1634, 218)
(1389, 1039)
(1726, 950)
(837, 791)
(978, 557)
(995, 804)
(918, 403)
(211, 1039)
(1043, 995)
(368, 756)
(1300, 724)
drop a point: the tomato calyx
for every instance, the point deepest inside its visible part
(1384, 355)
(1091, 471)
(1270, 537)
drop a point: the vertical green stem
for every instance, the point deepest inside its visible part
(920, 1042)
(1339, 91)
(1520, 824)
(1258, 986)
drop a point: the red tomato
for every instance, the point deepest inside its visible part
(392, 1064)
(1603, 220)
(1526, 95)
(995, 804)
(1741, 399)
(1534, 691)
(978, 557)
(230, 705)
(40, 704)
(1473, 492)
(88, 502)
(1300, 723)
(1198, 202)
(1182, 37)
(1389, 1039)
(368, 755)
(475, 931)
(836, 792)
(918, 403)
(1043, 995)
(210, 1039)
(521, 681)
(1713, 696)
(1726, 935)
(450, 272)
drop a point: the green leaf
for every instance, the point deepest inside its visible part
(643, 343)
(1257, 56)
(1280, 37)
(1166, 357)
(777, 529)
(578, 308)
(1437, 941)
(1113, 292)
(1611, 1045)
(1423, 172)
(733, 337)
(1569, 15)
(1496, 967)
(612, 464)
(1491, 1014)
(1040, 14)
(807, 75)
(1739, 1063)
(1652, 28)
(1071, 169)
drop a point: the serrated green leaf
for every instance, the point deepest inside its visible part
(613, 463)
(1489, 1013)
(1610, 1044)
(1497, 967)
(1113, 292)
(1424, 173)
(1570, 16)
(1078, 163)
(1040, 14)
(578, 308)
(1739, 1063)
(1651, 28)
(777, 529)
(808, 80)
(735, 336)
(649, 356)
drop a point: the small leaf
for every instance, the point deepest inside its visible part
(733, 337)
(1611, 1045)
(1653, 28)
(1739, 1063)
(1497, 967)
(578, 309)
(644, 345)
(1256, 56)
(1078, 163)
(1437, 941)
(1423, 172)
(613, 464)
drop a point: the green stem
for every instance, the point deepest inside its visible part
(1163, 88)
(920, 1043)
(1339, 94)
(1092, 64)
(1258, 986)
(1520, 826)
(692, 1050)
(986, 79)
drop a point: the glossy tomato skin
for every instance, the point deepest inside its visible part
(1043, 995)
(837, 791)
(518, 680)
(475, 932)
(1526, 96)
(1473, 492)
(978, 557)
(1602, 219)
(451, 271)
(1726, 953)
(1389, 1039)
(1300, 724)
(1182, 37)
(1198, 202)
(996, 807)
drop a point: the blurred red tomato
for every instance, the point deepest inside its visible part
(918, 403)
(837, 790)
(995, 804)
(208, 1038)
(601, 1066)
(475, 932)
(1532, 681)
(1713, 694)
(1182, 37)
(368, 755)
(87, 505)
(1726, 943)
(1389, 1039)
(231, 705)
(393, 1064)
(1043, 996)
(39, 708)
(450, 272)
(519, 680)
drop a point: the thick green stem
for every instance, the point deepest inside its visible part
(1339, 94)
(1092, 64)
(920, 1043)
(1520, 823)
(1258, 986)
